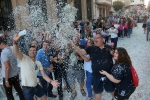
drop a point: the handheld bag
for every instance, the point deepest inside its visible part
(135, 77)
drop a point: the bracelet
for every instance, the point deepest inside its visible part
(15, 42)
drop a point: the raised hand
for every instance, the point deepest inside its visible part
(16, 37)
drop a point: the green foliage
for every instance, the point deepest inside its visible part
(118, 5)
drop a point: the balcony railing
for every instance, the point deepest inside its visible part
(104, 2)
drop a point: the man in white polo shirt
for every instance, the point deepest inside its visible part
(29, 69)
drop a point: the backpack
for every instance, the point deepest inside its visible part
(135, 77)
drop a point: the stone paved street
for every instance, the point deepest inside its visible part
(139, 51)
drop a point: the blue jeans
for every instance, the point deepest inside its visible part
(114, 40)
(129, 31)
(120, 33)
(89, 83)
(29, 92)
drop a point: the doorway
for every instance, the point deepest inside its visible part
(6, 16)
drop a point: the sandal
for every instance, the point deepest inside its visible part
(83, 92)
(73, 95)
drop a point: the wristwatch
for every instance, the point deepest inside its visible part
(6, 81)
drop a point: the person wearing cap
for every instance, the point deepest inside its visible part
(29, 70)
(10, 71)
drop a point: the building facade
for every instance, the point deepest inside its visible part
(137, 2)
(101, 8)
(87, 9)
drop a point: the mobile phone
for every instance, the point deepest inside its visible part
(21, 33)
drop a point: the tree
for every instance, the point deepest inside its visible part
(118, 5)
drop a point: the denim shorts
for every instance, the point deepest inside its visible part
(99, 85)
(29, 92)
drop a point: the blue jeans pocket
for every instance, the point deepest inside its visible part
(28, 93)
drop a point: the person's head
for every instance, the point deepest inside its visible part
(89, 42)
(98, 40)
(3, 43)
(112, 27)
(45, 45)
(34, 43)
(32, 51)
(121, 56)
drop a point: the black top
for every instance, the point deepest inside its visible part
(57, 66)
(79, 65)
(123, 73)
(101, 60)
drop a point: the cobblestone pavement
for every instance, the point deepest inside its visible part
(139, 51)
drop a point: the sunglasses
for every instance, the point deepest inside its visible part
(35, 66)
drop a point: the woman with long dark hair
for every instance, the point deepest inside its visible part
(121, 75)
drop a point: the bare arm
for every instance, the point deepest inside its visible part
(17, 52)
(15, 47)
(110, 77)
(7, 70)
(116, 31)
(45, 76)
(53, 82)
(82, 54)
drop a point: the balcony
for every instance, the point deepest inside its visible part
(104, 2)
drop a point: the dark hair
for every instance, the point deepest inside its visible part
(45, 41)
(112, 25)
(81, 46)
(92, 42)
(123, 57)
(35, 41)
(31, 46)
(2, 40)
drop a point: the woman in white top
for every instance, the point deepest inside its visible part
(88, 69)
(114, 35)
(116, 25)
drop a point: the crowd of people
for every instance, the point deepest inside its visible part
(41, 56)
